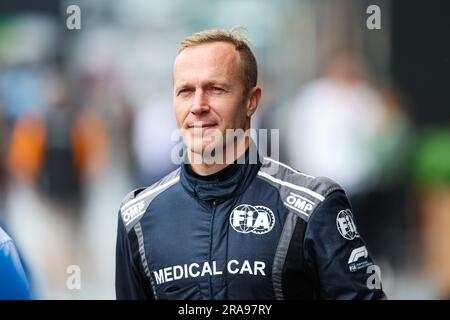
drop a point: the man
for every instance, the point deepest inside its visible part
(13, 280)
(235, 229)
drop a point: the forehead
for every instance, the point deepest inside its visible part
(206, 62)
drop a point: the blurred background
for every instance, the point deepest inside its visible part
(86, 116)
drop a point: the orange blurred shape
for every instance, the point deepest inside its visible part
(27, 147)
(90, 144)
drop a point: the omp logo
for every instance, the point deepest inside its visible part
(346, 225)
(133, 212)
(299, 203)
(252, 219)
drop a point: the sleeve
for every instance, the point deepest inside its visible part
(13, 281)
(130, 283)
(337, 255)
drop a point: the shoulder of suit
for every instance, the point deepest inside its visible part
(301, 193)
(4, 237)
(136, 202)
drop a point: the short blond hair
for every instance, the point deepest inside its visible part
(236, 38)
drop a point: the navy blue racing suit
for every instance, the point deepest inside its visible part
(252, 231)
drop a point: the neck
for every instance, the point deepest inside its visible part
(208, 167)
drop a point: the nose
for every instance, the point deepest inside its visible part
(199, 103)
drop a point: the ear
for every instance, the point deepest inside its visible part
(253, 100)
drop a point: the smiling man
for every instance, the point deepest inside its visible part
(215, 95)
(238, 227)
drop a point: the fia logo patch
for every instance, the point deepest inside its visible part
(346, 225)
(252, 219)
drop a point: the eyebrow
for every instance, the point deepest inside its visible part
(212, 83)
(206, 84)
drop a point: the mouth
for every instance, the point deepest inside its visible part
(201, 126)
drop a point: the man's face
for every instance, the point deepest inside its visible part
(209, 94)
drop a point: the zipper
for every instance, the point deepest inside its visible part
(213, 211)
